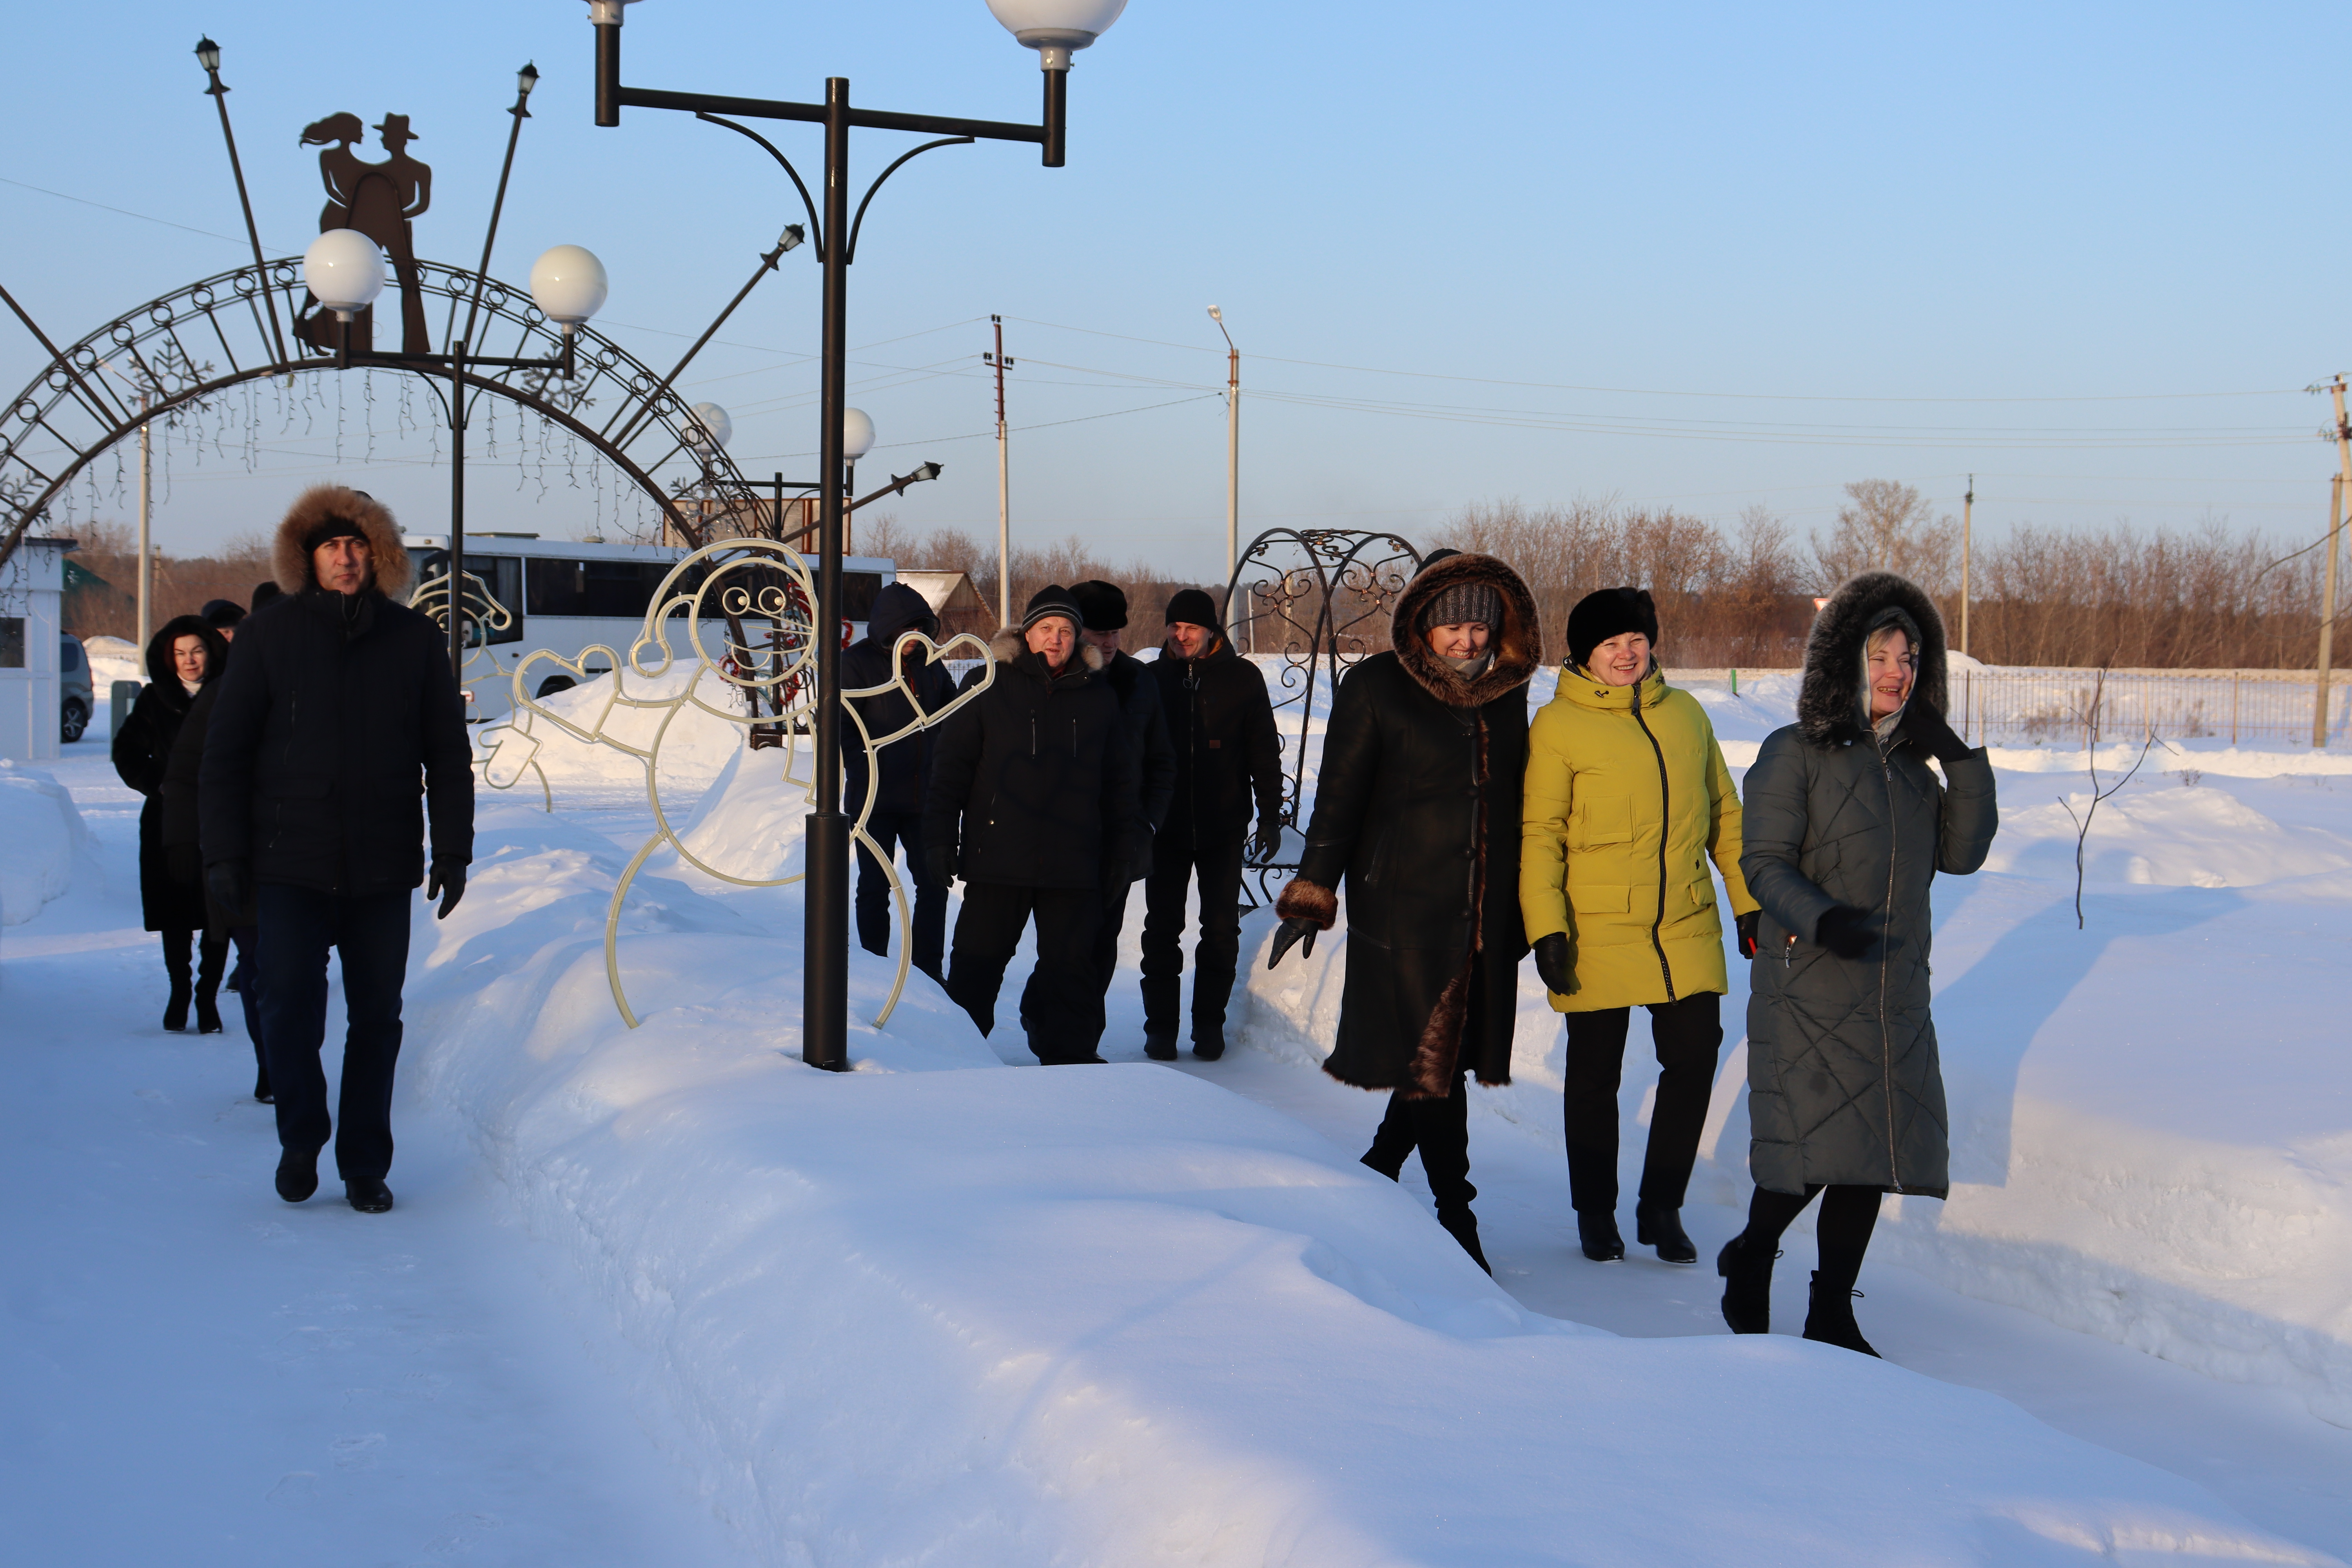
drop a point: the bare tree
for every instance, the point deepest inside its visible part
(1888, 526)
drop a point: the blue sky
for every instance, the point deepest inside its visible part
(1696, 254)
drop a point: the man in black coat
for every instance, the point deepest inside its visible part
(1227, 754)
(904, 771)
(339, 728)
(1034, 802)
(1104, 607)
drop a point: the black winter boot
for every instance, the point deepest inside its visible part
(1663, 1228)
(367, 1195)
(178, 946)
(1598, 1233)
(1830, 1318)
(1746, 1271)
(1209, 1045)
(1463, 1225)
(1159, 1044)
(212, 958)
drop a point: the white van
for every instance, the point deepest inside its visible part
(566, 596)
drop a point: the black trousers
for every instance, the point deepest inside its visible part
(1178, 856)
(891, 829)
(1841, 1232)
(1105, 960)
(1063, 1004)
(244, 979)
(371, 934)
(1687, 1032)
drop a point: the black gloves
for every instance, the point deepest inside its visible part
(231, 885)
(1265, 845)
(1556, 962)
(446, 882)
(1926, 728)
(1747, 924)
(1844, 931)
(938, 865)
(1295, 930)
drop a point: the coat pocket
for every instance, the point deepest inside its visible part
(1600, 898)
(1604, 821)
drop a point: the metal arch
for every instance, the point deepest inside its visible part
(1319, 599)
(73, 411)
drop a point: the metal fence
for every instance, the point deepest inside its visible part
(2066, 707)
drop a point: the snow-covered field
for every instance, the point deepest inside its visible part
(686, 1290)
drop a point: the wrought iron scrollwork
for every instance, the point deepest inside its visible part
(1319, 600)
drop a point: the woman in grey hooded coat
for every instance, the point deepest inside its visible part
(1844, 827)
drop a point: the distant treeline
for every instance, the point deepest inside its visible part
(103, 588)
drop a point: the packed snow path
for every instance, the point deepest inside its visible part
(197, 1373)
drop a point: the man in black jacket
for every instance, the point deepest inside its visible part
(1032, 802)
(903, 773)
(1226, 753)
(339, 706)
(1104, 607)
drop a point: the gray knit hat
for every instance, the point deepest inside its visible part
(1464, 602)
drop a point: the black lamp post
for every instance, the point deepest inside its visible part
(1053, 28)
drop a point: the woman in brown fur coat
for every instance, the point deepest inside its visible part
(1417, 809)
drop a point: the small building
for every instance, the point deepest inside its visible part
(954, 599)
(32, 633)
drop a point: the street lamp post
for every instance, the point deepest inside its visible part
(345, 271)
(1054, 29)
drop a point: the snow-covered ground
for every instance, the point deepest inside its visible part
(939, 1310)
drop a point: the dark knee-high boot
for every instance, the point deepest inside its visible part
(212, 958)
(177, 947)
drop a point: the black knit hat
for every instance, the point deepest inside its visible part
(1052, 600)
(264, 591)
(219, 613)
(1192, 606)
(1611, 612)
(333, 528)
(1103, 605)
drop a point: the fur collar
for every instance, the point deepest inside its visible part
(1830, 704)
(1009, 645)
(1517, 642)
(290, 564)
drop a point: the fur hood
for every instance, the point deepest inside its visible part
(1833, 706)
(1008, 644)
(291, 563)
(1518, 643)
(163, 671)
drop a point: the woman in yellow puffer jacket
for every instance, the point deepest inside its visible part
(1627, 799)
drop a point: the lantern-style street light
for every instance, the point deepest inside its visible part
(1055, 30)
(345, 271)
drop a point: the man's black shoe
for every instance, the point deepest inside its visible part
(369, 1194)
(297, 1175)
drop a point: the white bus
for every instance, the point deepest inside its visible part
(566, 596)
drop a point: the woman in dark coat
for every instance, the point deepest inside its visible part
(1417, 808)
(181, 659)
(1844, 827)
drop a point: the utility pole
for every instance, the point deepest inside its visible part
(1233, 460)
(1003, 487)
(1967, 522)
(2328, 613)
(146, 502)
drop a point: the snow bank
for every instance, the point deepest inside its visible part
(2151, 1121)
(695, 744)
(938, 1310)
(40, 835)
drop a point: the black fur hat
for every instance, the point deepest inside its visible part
(1103, 605)
(1610, 613)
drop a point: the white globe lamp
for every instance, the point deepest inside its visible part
(569, 285)
(708, 427)
(344, 270)
(856, 435)
(1055, 27)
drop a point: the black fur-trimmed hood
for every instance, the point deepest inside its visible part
(1518, 643)
(1831, 707)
